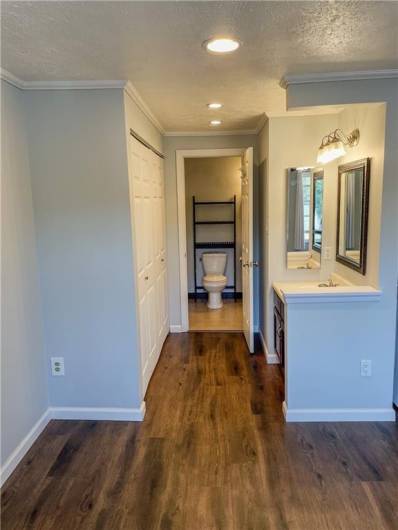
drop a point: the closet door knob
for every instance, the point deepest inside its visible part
(146, 277)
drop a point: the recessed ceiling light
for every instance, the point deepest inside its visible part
(221, 45)
(214, 123)
(214, 105)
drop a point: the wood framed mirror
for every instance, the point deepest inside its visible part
(352, 214)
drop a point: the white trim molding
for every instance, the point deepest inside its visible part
(61, 85)
(130, 89)
(271, 358)
(121, 84)
(238, 132)
(308, 415)
(176, 328)
(98, 413)
(10, 78)
(300, 79)
(181, 155)
(66, 413)
(23, 447)
(136, 97)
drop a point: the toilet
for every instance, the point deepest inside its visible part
(214, 281)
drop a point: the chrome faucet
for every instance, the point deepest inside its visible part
(329, 283)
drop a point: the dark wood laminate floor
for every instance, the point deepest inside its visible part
(212, 453)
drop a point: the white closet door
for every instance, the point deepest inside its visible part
(147, 200)
(161, 257)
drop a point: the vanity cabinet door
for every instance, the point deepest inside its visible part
(279, 330)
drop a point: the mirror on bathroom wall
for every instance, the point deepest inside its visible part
(352, 214)
(317, 211)
(304, 218)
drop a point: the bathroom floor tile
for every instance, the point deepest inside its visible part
(228, 318)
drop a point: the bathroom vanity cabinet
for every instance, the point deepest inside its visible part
(279, 329)
(323, 333)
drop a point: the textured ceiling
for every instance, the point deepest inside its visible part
(157, 45)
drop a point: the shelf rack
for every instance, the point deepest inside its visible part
(213, 244)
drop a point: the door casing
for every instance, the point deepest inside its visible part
(181, 155)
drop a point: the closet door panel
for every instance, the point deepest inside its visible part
(148, 219)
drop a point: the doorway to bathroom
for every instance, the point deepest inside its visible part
(213, 260)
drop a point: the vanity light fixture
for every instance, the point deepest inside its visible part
(221, 45)
(214, 105)
(333, 145)
(214, 123)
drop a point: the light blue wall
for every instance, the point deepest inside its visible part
(326, 343)
(366, 91)
(79, 170)
(23, 374)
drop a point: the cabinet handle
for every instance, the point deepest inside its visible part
(146, 277)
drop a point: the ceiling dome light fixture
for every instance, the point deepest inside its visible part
(214, 105)
(221, 45)
(333, 145)
(214, 123)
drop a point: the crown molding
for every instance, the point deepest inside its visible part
(238, 132)
(325, 77)
(73, 85)
(10, 78)
(135, 96)
(262, 121)
(84, 85)
(59, 85)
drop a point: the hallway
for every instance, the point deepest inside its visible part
(212, 453)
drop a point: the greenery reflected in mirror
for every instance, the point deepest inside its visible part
(352, 214)
(304, 225)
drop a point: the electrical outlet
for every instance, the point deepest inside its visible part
(57, 366)
(366, 368)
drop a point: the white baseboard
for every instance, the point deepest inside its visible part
(66, 413)
(21, 450)
(307, 415)
(176, 328)
(94, 413)
(271, 358)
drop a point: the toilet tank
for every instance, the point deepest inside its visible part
(214, 262)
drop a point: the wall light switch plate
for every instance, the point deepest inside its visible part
(57, 366)
(366, 368)
(328, 253)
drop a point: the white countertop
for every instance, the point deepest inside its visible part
(310, 292)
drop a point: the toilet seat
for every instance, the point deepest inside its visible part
(214, 278)
(214, 282)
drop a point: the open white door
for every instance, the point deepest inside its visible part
(247, 246)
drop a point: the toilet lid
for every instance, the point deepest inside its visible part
(214, 278)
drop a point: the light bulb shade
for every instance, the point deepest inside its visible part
(330, 151)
